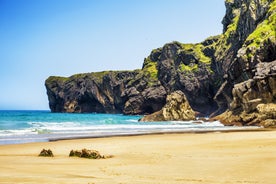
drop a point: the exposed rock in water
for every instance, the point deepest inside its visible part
(176, 108)
(232, 73)
(46, 153)
(85, 153)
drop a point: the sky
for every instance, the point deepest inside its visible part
(42, 38)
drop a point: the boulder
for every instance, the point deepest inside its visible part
(46, 153)
(85, 153)
(177, 108)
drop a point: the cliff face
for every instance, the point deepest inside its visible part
(254, 99)
(172, 67)
(187, 67)
(90, 92)
(248, 39)
(212, 74)
(247, 67)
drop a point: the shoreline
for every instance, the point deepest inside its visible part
(236, 129)
(128, 131)
(226, 157)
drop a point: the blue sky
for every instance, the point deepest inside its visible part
(40, 38)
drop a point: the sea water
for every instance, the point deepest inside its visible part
(42, 126)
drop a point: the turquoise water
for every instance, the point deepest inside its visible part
(41, 126)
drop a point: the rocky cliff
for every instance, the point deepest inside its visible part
(173, 67)
(232, 73)
(248, 64)
(248, 39)
(254, 99)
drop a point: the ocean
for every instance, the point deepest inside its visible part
(41, 126)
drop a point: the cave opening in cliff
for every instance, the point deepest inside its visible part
(148, 110)
(91, 105)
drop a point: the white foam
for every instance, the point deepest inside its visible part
(38, 131)
(132, 120)
(73, 127)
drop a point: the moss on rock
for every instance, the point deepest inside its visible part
(151, 70)
(188, 68)
(52, 79)
(197, 51)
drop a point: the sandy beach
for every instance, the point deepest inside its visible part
(235, 157)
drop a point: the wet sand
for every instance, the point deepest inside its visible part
(229, 157)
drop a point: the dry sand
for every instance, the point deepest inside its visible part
(236, 157)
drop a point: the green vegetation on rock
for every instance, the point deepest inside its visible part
(150, 69)
(229, 1)
(264, 32)
(264, 1)
(98, 76)
(193, 56)
(58, 79)
(79, 75)
(149, 73)
(197, 51)
(225, 40)
(231, 28)
(188, 68)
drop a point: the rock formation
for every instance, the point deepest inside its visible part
(85, 153)
(174, 67)
(249, 74)
(254, 99)
(46, 153)
(248, 39)
(176, 108)
(90, 92)
(233, 73)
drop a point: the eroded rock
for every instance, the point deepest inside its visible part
(46, 153)
(85, 153)
(177, 108)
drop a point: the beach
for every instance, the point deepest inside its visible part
(229, 157)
